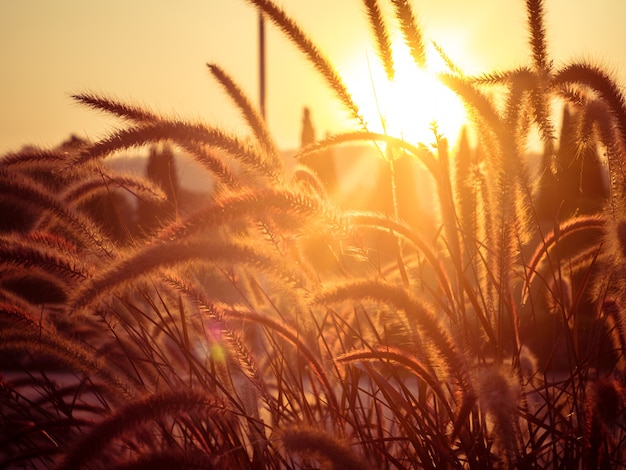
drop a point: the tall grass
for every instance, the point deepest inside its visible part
(271, 328)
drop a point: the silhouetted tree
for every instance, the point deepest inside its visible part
(73, 144)
(308, 131)
(323, 164)
(161, 170)
(573, 179)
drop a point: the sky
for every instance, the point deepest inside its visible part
(154, 53)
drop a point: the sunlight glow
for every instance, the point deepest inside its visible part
(408, 106)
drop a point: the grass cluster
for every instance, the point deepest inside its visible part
(270, 328)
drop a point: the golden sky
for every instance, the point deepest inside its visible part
(153, 52)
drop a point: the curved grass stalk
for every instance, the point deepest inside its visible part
(482, 106)
(181, 133)
(507, 167)
(121, 110)
(252, 117)
(34, 194)
(285, 204)
(293, 337)
(589, 223)
(405, 359)
(38, 341)
(35, 285)
(383, 223)
(301, 440)
(317, 59)
(214, 163)
(304, 176)
(44, 253)
(376, 290)
(95, 185)
(16, 312)
(37, 159)
(452, 358)
(245, 356)
(524, 82)
(128, 270)
(597, 80)
(421, 153)
(596, 117)
(138, 413)
(452, 67)
(230, 317)
(139, 115)
(494, 77)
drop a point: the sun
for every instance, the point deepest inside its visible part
(408, 106)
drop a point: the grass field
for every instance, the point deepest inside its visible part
(270, 326)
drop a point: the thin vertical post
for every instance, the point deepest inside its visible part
(262, 64)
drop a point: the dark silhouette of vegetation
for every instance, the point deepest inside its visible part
(308, 132)
(574, 179)
(161, 171)
(323, 164)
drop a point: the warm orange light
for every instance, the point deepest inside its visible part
(407, 106)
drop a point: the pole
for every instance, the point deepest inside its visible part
(262, 64)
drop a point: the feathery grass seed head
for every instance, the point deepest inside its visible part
(498, 396)
(316, 441)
